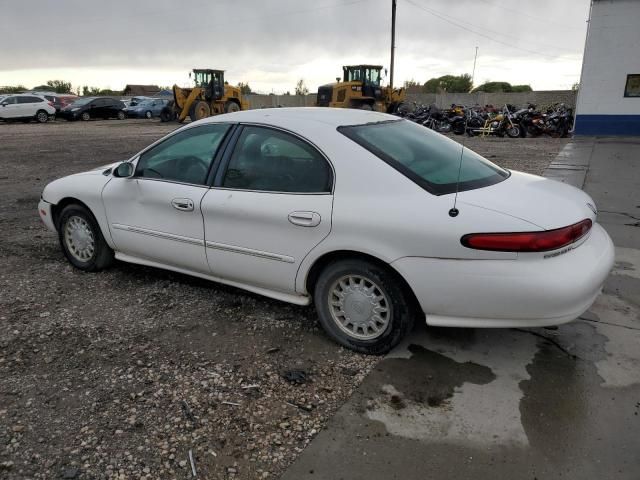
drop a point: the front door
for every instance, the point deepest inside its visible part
(10, 108)
(268, 208)
(155, 215)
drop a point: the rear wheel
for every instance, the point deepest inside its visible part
(199, 110)
(231, 107)
(81, 239)
(363, 306)
(42, 116)
(365, 106)
(85, 116)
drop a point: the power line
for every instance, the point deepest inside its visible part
(455, 23)
(502, 34)
(540, 19)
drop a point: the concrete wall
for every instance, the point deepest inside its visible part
(541, 98)
(611, 53)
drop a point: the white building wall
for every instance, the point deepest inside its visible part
(612, 52)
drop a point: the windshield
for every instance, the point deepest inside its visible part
(83, 101)
(428, 158)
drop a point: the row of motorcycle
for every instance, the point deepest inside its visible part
(554, 121)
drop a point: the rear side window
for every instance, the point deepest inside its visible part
(428, 158)
(270, 160)
(29, 100)
(10, 100)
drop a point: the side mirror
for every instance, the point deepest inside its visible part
(124, 170)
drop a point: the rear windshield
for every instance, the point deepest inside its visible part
(428, 158)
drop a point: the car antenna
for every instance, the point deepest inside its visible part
(454, 211)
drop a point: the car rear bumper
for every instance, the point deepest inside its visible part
(527, 292)
(44, 209)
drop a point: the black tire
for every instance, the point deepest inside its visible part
(148, 114)
(121, 115)
(199, 110)
(101, 256)
(167, 115)
(366, 106)
(523, 131)
(231, 107)
(457, 128)
(85, 116)
(399, 304)
(42, 116)
(513, 132)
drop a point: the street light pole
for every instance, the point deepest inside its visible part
(473, 75)
(393, 39)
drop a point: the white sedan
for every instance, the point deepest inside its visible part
(353, 210)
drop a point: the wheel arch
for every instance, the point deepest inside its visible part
(57, 208)
(313, 273)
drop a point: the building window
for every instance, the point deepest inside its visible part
(632, 88)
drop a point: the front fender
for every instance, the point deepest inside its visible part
(87, 189)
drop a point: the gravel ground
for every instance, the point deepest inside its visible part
(128, 372)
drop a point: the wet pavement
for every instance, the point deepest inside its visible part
(511, 403)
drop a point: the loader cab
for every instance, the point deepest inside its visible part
(369, 75)
(211, 81)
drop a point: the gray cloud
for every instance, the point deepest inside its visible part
(272, 38)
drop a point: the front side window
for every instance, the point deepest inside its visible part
(10, 100)
(273, 161)
(428, 158)
(29, 100)
(183, 157)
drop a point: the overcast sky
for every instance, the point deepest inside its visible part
(272, 43)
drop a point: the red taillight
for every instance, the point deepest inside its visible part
(50, 104)
(527, 241)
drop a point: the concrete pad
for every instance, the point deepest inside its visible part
(509, 404)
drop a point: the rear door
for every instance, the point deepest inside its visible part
(29, 105)
(271, 204)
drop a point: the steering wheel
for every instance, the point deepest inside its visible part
(193, 166)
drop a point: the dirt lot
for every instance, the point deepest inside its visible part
(121, 374)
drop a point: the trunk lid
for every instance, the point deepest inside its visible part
(546, 203)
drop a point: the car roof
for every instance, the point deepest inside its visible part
(332, 117)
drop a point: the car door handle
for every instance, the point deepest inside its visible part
(184, 204)
(305, 219)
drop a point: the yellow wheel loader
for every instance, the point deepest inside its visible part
(360, 88)
(209, 96)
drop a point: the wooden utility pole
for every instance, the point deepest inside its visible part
(393, 39)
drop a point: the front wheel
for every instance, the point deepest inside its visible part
(363, 306)
(81, 239)
(148, 114)
(85, 116)
(121, 115)
(513, 131)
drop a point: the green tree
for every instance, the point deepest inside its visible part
(411, 84)
(492, 87)
(245, 89)
(60, 86)
(45, 88)
(301, 88)
(13, 89)
(448, 83)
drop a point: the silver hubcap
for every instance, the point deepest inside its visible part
(79, 239)
(42, 117)
(359, 307)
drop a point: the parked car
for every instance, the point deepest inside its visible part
(60, 100)
(136, 100)
(26, 107)
(379, 221)
(86, 108)
(147, 108)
